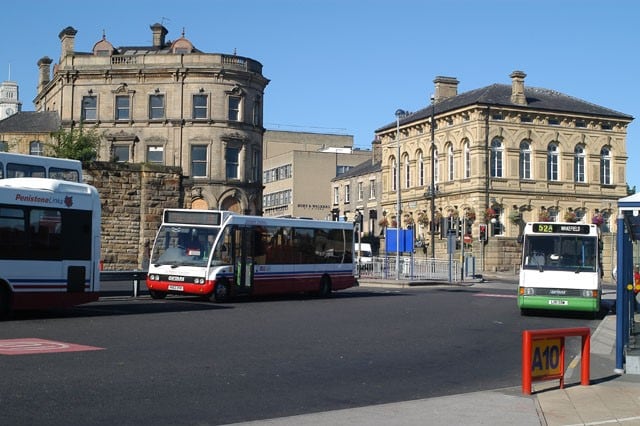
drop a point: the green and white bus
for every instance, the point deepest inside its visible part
(561, 267)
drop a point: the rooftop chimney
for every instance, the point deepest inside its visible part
(517, 88)
(446, 87)
(68, 38)
(159, 33)
(44, 65)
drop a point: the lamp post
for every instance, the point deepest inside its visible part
(433, 180)
(399, 114)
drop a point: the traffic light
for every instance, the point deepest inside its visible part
(483, 232)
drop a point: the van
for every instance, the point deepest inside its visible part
(363, 253)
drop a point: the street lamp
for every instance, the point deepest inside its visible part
(400, 113)
(433, 180)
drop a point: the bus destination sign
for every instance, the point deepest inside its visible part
(560, 228)
(195, 217)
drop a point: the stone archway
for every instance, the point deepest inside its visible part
(231, 204)
(200, 204)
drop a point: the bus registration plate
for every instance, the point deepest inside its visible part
(176, 288)
(558, 302)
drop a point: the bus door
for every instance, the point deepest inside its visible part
(243, 258)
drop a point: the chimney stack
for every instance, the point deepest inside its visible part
(159, 33)
(44, 65)
(445, 87)
(517, 88)
(68, 39)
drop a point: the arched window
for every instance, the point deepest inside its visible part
(450, 168)
(467, 160)
(420, 169)
(605, 166)
(407, 171)
(4, 146)
(525, 160)
(394, 174)
(552, 162)
(496, 158)
(579, 164)
(36, 148)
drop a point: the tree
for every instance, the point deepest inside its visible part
(76, 144)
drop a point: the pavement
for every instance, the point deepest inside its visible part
(610, 398)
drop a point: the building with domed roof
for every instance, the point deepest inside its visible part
(169, 104)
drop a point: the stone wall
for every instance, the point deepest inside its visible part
(133, 197)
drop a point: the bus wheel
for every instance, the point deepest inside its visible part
(155, 294)
(325, 287)
(5, 303)
(221, 292)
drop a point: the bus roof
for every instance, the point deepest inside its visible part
(44, 184)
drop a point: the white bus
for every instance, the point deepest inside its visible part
(219, 254)
(49, 243)
(22, 165)
(561, 267)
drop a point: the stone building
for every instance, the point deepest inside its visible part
(168, 104)
(503, 155)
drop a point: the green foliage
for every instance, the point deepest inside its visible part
(76, 144)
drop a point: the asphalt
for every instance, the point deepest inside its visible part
(610, 398)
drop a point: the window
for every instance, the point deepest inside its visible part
(525, 160)
(450, 162)
(156, 107)
(122, 107)
(605, 166)
(554, 122)
(200, 106)
(336, 195)
(89, 108)
(372, 189)
(496, 158)
(579, 164)
(234, 108)
(347, 193)
(420, 169)
(257, 116)
(360, 191)
(467, 160)
(121, 153)
(394, 174)
(407, 171)
(4, 146)
(155, 154)
(198, 161)
(36, 148)
(232, 163)
(552, 162)
(342, 169)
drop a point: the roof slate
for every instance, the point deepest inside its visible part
(31, 122)
(499, 95)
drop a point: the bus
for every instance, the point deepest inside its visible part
(49, 244)
(561, 267)
(219, 255)
(23, 165)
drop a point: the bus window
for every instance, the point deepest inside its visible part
(15, 170)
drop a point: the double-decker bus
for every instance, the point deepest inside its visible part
(49, 243)
(561, 267)
(219, 254)
(22, 165)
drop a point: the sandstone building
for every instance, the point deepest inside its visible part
(503, 155)
(168, 104)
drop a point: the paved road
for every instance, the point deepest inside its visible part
(181, 361)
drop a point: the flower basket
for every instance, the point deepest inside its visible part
(597, 219)
(470, 215)
(544, 216)
(383, 222)
(489, 214)
(570, 216)
(515, 217)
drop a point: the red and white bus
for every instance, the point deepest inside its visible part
(220, 254)
(49, 243)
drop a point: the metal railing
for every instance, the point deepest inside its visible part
(136, 278)
(384, 268)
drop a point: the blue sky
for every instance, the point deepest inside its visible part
(345, 66)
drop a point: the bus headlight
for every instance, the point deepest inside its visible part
(526, 291)
(154, 277)
(590, 293)
(199, 281)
